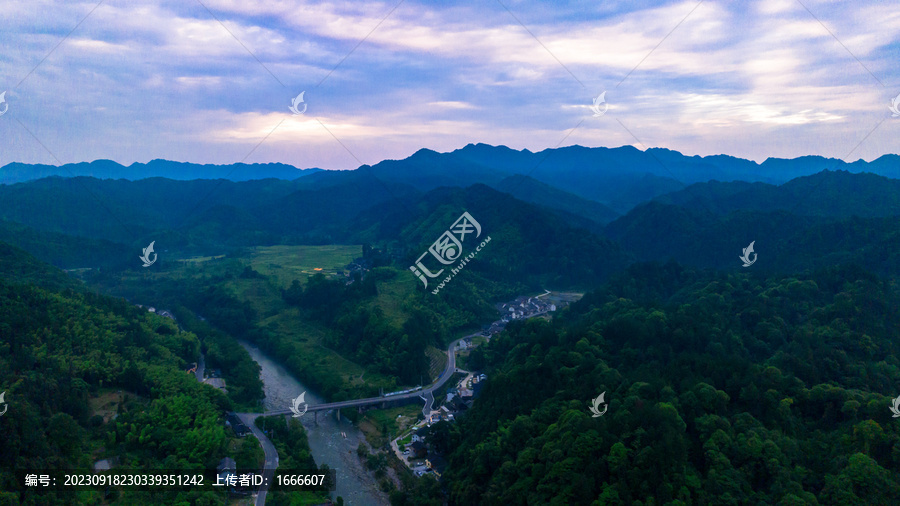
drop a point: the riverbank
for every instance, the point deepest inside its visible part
(358, 486)
(331, 441)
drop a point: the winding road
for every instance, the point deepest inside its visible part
(271, 464)
(428, 397)
(201, 368)
(249, 419)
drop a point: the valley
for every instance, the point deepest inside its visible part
(652, 310)
(412, 253)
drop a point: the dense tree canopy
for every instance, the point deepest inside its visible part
(721, 389)
(59, 351)
(364, 334)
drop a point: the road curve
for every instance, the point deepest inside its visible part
(201, 367)
(429, 403)
(271, 455)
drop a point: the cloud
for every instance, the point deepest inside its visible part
(451, 104)
(168, 79)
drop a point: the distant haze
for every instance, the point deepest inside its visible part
(106, 169)
(482, 163)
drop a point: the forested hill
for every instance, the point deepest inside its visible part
(809, 222)
(721, 389)
(828, 193)
(830, 218)
(70, 361)
(17, 266)
(528, 244)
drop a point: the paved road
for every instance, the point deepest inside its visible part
(201, 366)
(269, 448)
(429, 403)
(443, 378)
(271, 455)
(397, 451)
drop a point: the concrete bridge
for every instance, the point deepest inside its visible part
(371, 401)
(271, 454)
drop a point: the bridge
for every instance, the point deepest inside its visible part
(271, 455)
(369, 401)
(349, 404)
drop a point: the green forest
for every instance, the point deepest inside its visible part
(767, 385)
(63, 348)
(289, 438)
(88, 377)
(722, 388)
(366, 335)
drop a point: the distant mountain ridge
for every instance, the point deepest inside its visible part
(535, 192)
(182, 171)
(618, 178)
(827, 193)
(808, 222)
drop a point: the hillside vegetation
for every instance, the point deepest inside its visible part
(61, 349)
(721, 389)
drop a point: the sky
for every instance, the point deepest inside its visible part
(212, 81)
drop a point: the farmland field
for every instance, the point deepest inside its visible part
(283, 264)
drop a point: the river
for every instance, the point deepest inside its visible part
(328, 446)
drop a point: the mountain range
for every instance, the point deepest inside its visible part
(618, 178)
(547, 226)
(107, 169)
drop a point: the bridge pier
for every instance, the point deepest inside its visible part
(337, 414)
(316, 417)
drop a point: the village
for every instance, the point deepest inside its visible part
(412, 447)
